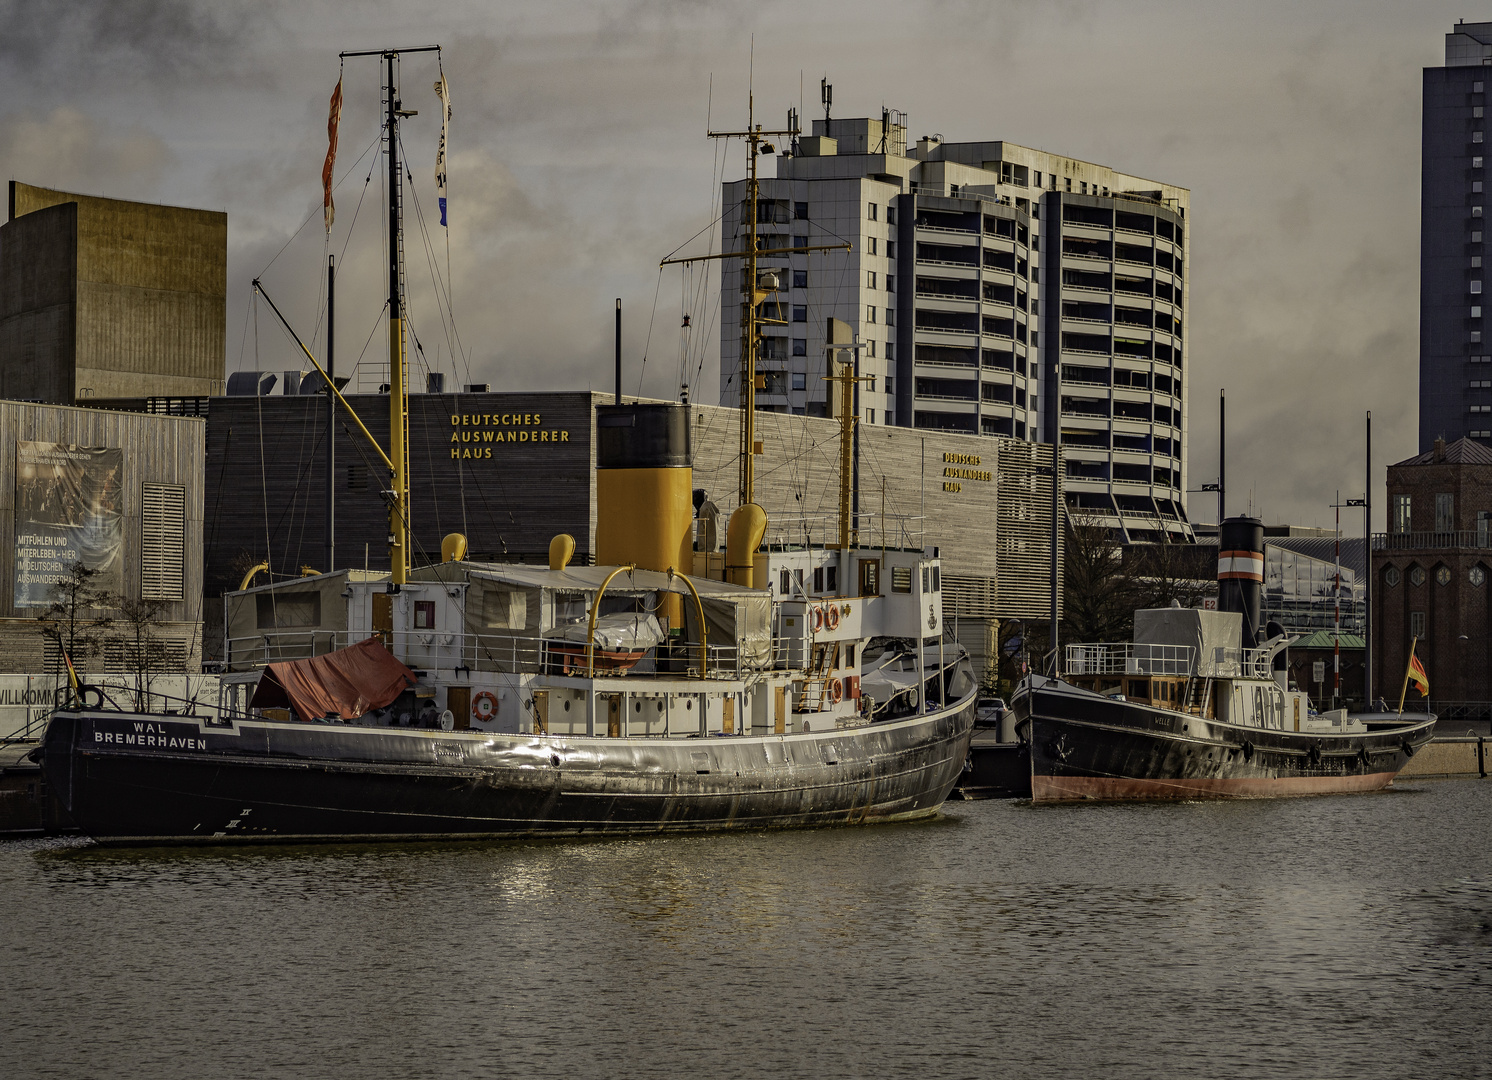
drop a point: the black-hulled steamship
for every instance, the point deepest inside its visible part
(1198, 706)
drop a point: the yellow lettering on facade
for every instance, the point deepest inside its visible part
(512, 436)
(487, 435)
(488, 452)
(455, 420)
(455, 454)
(455, 436)
(536, 419)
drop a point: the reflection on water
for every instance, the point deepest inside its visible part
(1315, 937)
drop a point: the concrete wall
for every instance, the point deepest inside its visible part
(38, 304)
(148, 288)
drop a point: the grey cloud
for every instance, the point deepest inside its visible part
(69, 150)
(148, 40)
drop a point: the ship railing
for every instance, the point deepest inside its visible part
(789, 531)
(1241, 663)
(497, 652)
(1130, 658)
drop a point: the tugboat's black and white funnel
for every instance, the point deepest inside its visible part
(1240, 573)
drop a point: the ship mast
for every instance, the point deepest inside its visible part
(397, 494)
(753, 288)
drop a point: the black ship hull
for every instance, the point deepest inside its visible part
(1087, 746)
(144, 779)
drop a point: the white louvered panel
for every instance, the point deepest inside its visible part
(162, 542)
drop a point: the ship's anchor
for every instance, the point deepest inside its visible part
(1248, 750)
(1060, 749)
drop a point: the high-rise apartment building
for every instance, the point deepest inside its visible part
(993, 289)
(1455, 356)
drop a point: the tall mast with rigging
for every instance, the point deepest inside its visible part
(754, 290)
(397, 493)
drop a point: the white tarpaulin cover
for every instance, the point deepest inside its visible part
(1204, 631)
(622, 632)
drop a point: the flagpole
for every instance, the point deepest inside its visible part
(1403, 690)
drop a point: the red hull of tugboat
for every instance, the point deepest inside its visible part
(1073, 788)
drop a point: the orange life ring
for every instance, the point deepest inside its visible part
(484, 705)
(836, 688)
(816, 619)
(831, 617)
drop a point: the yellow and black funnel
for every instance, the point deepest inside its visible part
(644, 490)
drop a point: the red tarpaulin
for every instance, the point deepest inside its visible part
(345, 683)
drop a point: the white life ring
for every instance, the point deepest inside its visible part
(831, 617)
(484, 706)
(816, 618)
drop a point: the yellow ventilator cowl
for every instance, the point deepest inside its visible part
(561, 549)
(644, 490)
(453, 548)
(742, 537)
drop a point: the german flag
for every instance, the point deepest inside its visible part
(1418, 677)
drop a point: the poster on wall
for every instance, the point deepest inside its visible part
(69, 508)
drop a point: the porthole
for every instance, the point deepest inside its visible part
(690, 704)
(1476, 575)
(1417, 576)
(1443, 575)
(567, 701)
(660, 704)
(637, 705)
(1391, 576)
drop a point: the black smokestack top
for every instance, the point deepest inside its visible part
(1240, 573)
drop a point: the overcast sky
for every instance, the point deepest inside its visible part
(578, 159)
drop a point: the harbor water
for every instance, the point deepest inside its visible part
(1345, 936)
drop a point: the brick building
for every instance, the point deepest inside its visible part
(1431, 575)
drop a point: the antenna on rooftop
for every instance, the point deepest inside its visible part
(826, 95)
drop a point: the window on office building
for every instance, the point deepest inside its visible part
(800, 381)
(800, 211)
(870, 279)
(1417, 624)
(871, 213)
(870, 314)
(800, 346)
(800, 313)
(870, 245)
(800, 279)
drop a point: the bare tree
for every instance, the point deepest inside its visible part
(72, 620)
(1098, 598)
(146, 651)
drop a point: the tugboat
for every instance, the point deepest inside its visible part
(788, 687)
(1198, 706)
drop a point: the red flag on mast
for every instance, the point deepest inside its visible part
(334, 117)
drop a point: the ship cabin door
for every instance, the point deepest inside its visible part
(383, 618)
(458, 700)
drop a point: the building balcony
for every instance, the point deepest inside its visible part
(1409, 542)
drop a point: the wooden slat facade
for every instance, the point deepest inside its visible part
(156, 450)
